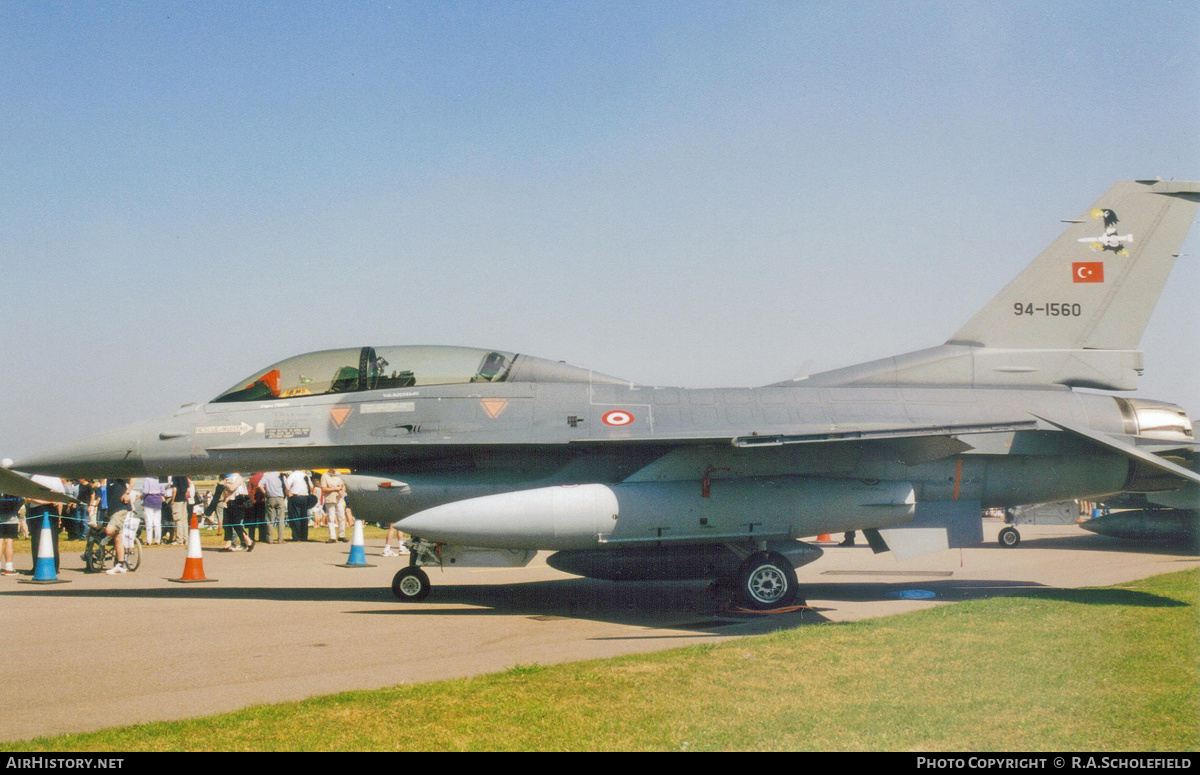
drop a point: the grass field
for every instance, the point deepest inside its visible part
(1111, 669)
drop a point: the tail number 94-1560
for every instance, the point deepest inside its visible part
(1050, 310)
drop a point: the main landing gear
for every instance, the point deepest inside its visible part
(766, 580)
(759, 576)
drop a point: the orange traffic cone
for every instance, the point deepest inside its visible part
(824, 538)
(193, 566)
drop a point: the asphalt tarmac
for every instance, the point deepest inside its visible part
(285, 622)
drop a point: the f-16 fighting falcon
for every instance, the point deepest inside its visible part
(486, 457)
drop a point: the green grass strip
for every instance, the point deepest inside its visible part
(1110, 669)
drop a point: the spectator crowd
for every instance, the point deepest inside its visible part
(249, 510)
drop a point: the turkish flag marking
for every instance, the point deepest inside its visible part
(1087, 272)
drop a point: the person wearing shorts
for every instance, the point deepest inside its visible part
(118, 510)
(10, 525)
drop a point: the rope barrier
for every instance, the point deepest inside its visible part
(65, 518)
(288, 524)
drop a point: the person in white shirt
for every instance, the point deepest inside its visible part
(333, 492)
(297, 490)
(272, 486)
(237, 501)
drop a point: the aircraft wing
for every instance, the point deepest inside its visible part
(914, 443)
(12, 483)
(910, 443)
(737, 439)
(898, 432)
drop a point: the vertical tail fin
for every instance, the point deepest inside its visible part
(1074, 316)
(1096, 285)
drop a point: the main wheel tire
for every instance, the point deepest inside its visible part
(410, 584)
(133, 555)
(767, 580)
(1009, 537)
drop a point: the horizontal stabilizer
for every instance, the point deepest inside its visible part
(1128, 450)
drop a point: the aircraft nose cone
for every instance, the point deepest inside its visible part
(113, 454)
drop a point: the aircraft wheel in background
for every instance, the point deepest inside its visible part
(766, 580)
(410, 584)
(1009, 537)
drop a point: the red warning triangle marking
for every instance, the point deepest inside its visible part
(339, 414)
(493, 407)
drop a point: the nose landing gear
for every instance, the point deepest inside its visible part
(410, 584)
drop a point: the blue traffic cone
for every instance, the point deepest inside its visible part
(358, 552)
(43, 570)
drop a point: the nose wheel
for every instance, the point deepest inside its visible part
(410, 584)
(1009, 537)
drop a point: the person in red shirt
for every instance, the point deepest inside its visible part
(258, 510)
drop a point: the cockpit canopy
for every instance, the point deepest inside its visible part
(369, 368)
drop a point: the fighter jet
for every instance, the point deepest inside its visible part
(486, 457)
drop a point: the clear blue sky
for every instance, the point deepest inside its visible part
(691, 193)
